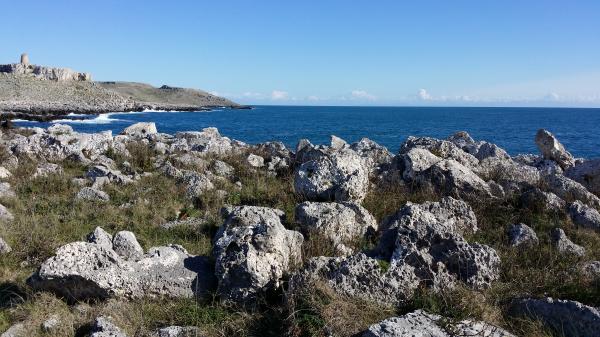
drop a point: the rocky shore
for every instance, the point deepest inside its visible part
(44, 93)
(196, 234)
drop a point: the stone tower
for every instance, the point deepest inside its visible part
(24, 59)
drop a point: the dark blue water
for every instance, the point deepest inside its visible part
(511, 128)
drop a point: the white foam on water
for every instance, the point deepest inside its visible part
(100, 119)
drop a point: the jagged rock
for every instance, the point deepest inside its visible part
(223, 169)
(441, 148)
(6, 191)
(4, 173)
(584, 216)
(101, 237)
(191, 159)
(487, 150)
(195, 183)
(140, 130)
(126, 245)
(570, 190)
(51, 323)
(552, 149)
(591, 269)
(521, 235)
(255, 161)
(422, 324)
(375, 154)
(4, 247)
(564, 245)
(98, 172)
(104, 327)
(566, 318)
(449, 177)
(57, 129)
(539, 200)
(209, 141)
(16, 330)
(253, 251)
(338, 143)
(513, 176)
(178, 331)
(84, 270)
(415, 161)
(45, 169)
(92, 194)
(341, 223)
(339, 176)
(5, 214)
(586, 173)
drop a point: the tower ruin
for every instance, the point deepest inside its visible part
(24, 59)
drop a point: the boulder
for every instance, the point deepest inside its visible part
(209, 141)
(178, 331)
(415, 161)
(4, 173)
(338, 143)
(512, 175)
(564, 245)
(92, 194)
(45, 169)
(552, 149)
(222, 169)
(86, 270)
(566, 318)
(570, 190)
(449, 177)
(538, 200)
(339, 176)
(196, 184)
(101, 237)
(376, 155)
(126, 245)
(584, 216)
(16, 330)
(591, 269)
(342, 223)
(98, 172)
(441, 148)
(521, 235)
(140, 130)
(4, 247)
(51, 323)
(420, 323)
(586, 173)
(6, 191)
(253, 251)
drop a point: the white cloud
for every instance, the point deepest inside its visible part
(313, 98)
(250, 94)
(424, 95)
(278, 95)
(363, 95)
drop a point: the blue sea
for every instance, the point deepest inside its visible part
(511, 128)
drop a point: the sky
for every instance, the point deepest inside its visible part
(325, 52)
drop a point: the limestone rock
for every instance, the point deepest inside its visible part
(51, 323)
(338, 143)
(375, 154)
(46, 169)
(564, 245)
(92, 194)
(586, 173)
(552, 149)
(591, 269)
(195, 183)
(100, 237)
(5, 214)
(584, 216)
(415, 161)
(570, 190)
(4, 173)
(449, 177)
(114, 176)
(126, 245)
(253, 251)
(83, 270)
(255, 161)
(440, 148)
(566, 318)
(4, 247)
(104, 327)
(422, 324)
(178, 331)
(538, 200)
(6, 191)
(339, 176)
(209, 141)
(223, 169)
(341, 223)
(140, 130)
(16, 330)
(521, 235)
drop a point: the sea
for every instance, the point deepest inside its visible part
(510, 128)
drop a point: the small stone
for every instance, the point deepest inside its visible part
(4, 247)
(104, 327)
(51, 323)
(127, 246)
(92, 194)
(4, 173)
(100, 237)
(178, 331)
(5, 214)
(584, 216)
(255, 161)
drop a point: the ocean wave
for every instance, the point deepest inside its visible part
(100, 119)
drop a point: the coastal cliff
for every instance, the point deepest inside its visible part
(45, 93)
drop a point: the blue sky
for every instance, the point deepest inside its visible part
(541, 53)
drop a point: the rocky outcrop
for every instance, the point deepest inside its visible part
(449, 177)
(584, 216)
(552, 149)
(44, 73)
(340, 176)
(586, 173)
(538, 200)
(421, 323)
(570, 190)
(104, 327)
(253, 251)
(343, 224)
(566, 318)
(140, 130)
(441, 148)
(83, 270)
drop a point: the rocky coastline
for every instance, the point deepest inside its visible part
(203, 235)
